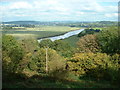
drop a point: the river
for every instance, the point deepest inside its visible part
(66, 35)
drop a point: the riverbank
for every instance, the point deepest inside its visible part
(57, 35)
(62, 36)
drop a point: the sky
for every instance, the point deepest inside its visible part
(59, 10)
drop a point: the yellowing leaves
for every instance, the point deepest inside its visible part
(82, 62)
(88, 43)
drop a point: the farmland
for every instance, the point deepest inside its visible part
(38, 32)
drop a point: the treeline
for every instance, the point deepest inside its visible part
(9, 27)
(33, 24)
(97, 56)
(88, 31)
(90, 24)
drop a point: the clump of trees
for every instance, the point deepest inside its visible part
(99, 66)
(98, 55)
(28, 58)
(109, 40)
(12, 54)
(63, 48)
(54, 61)
(106, 41)
(88, 43)
(88, 31)
(30, 47)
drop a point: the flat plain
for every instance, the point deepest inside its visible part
(38, 32)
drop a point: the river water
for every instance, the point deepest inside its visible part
(66, 35)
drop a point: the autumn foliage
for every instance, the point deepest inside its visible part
(88, 43)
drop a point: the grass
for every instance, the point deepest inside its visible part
(38, 32)
(23, 36)
(38, 81)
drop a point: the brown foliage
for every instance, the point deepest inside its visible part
(88, 43)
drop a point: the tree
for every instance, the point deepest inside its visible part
(12, 53)
(55, 61)
(109, 40)
(88, 43)
(61, 47)
(46, 43)
(30, 47)
(94, 65)
(88, 31)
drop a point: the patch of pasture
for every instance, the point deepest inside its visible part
(39, 32)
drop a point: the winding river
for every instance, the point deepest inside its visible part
(66, 35)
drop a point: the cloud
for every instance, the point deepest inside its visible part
(79, 13)
(20, 5)
(46, 9)
(107, 0)
(111, 15)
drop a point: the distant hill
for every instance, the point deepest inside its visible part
(26, 22)
(64, 23)
(42, 22)
(107, 22)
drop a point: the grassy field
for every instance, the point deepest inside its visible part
(38, 32)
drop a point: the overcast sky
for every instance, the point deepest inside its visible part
(59, 10)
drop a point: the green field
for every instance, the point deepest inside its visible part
(38, 32)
